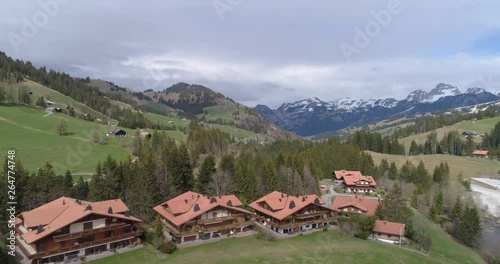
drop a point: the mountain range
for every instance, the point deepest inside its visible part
(313, 116)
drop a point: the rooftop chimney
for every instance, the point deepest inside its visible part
(89, 208)
(186, 200)
(213, 200)
(292, 205)
(64, 202)
(316, 201)
(39, 229)
(196, 208)
(229, 203)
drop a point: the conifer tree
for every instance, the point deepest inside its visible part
(68, 182)
(456, 212)
(80, 190)
(469, 228)
(205, 174)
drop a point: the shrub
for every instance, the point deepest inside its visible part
(168, 247)
(265, 235)
(325, 229)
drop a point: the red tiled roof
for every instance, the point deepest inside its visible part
(280, 204)
(481, 152)
(352, 180)
(65, 211)
(343, 173)
(367, 205)
(182, 208)
(391, 228)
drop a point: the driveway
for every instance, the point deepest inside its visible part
(327, 198)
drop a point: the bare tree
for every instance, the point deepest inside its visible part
(221, 184)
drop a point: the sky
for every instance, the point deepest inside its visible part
(263, 52)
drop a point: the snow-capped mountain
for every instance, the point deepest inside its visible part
(313, 116)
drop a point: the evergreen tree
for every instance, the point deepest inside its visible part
(62, 128)
(456, 212)
(182, 171)
(394, 207)
(414, 200)
(68, 182)
(414, 149)
(205, 174)
(3, 95)
(41, 102)
(393, 171)
(96, 185)
(469, 228)
(81, 189)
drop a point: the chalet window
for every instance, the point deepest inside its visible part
(389, 236)
(87, 226)
(214, 215)
(379, 234)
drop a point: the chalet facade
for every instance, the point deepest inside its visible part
(192, 216)
(285, 213)
(354, 205)
(67, 228)
(482, 154)
(354, 181)
(389, 231)
(116, 133)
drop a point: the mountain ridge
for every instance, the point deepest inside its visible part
(313, 116)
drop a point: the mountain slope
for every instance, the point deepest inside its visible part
(312, 116)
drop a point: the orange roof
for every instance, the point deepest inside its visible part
(391, 228)
(190, 205)
(280, 204)
(65, 211)
(352, 180)
(343, 173)
(367, 205)
(480, 152)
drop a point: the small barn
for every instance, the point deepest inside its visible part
(482, 154)
(469, 133)
(145, 135)
(116, 133)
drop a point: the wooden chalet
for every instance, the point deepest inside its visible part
(391, 231)
(354, 181)
(482, 154)
(285, 213)
(355, 205)
(192, 216)
(68, 228)
(116, 133)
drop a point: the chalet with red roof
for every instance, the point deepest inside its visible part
(354, 181)
(285, 213)
(391, 231)
(191, 216)
(483, 154)
(67, 228)
(354, 205)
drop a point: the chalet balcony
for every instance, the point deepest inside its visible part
(86, 245)
(69, 236)
(218, 219)
(297, 223)
(226, 226)
(307, 215)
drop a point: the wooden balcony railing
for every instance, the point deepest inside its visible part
(290, 225)
(222, 227)
(216, 219)
(87, 244)
(69, 236)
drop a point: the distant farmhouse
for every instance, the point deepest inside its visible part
(469, 133)
(116, 133)
(354, 181)
(145, 135)
(482, 154)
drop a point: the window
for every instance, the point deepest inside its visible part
(379, 234)
(214, 215)
(389, 236)
(87, 226)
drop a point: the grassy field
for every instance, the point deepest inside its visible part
(469, 167)
(480, 127)
(59, 99)
(35, 140)
(319, 247)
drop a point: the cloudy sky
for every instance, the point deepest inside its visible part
(266, 52)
